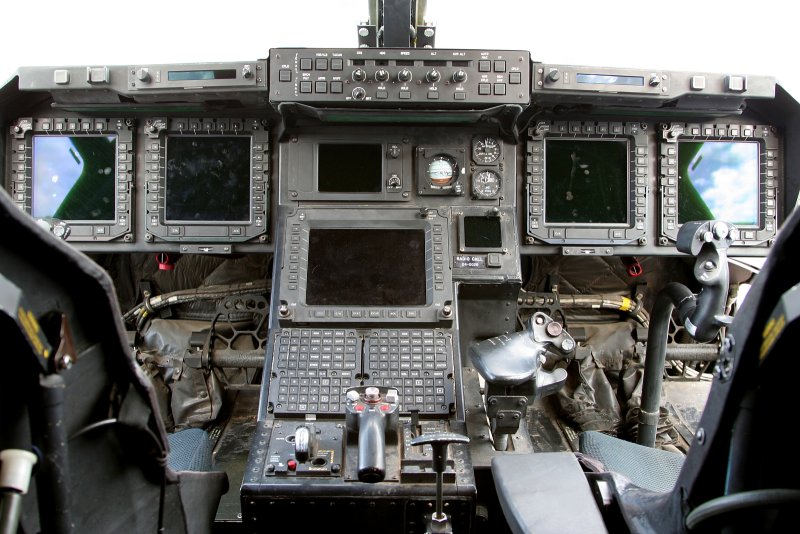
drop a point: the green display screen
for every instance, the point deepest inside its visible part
(586, 181)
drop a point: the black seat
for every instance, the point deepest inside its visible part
(71, 391)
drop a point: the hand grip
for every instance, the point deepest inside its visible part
(371, 412)
(371, 446)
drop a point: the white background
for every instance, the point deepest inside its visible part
(734, 36)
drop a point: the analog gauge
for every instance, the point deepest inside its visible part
(485, 150)
(485, 184)
(442, 171)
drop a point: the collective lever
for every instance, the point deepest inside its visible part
(439, 524)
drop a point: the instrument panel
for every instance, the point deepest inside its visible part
(135, 180)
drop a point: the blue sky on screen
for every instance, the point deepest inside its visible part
(57, 165)
(726, 176)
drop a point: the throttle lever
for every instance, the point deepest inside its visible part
(371, 412)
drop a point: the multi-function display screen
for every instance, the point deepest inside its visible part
(349, 168)
(718, 180)
(586, 181)
(482, 232)
(207, 179)
(74, 177)
(366, 267)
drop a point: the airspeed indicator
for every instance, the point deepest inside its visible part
(485, 184)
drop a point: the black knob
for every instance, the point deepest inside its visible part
(404, 75)
(359, 93)
(459, 76)
(553, 76)
(433, 76)
(359, 75)
(381, 75)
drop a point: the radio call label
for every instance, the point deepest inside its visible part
(468, 261)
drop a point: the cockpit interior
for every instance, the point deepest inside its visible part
(396, 288)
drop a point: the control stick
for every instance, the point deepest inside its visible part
(702, 315)
(439, 441)
(371, 413)
(511, 364)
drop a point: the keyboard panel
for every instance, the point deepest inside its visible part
(312, 368)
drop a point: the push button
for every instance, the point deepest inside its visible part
(285, 75)
(305, 63)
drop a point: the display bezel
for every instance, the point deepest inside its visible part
(769, 179)
(21, 185)
(159, 131)
(294, 270)
(299, 165)
(567, 233)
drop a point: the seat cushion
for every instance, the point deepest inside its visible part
(189, 450)
(648, 468)
(546, 492)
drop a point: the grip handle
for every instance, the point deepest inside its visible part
(371, 446)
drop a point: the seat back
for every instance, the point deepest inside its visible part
(90, 390)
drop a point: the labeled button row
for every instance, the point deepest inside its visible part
(321, 87)
(321, 63)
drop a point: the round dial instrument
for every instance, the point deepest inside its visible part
(485, 150)
(485, 184)
(442, 171)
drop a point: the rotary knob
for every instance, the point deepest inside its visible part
(381, 75)
(433, 76)
(359, 93)
(553, 76)
(143, 74)
(359, 75)
(404, 75)
(459, 76)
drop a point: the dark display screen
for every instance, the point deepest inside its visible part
(74, 177)
(366, 267)
(349, 168)
(718, 180)
(586, 181)
(208, 179)
(482, 232)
